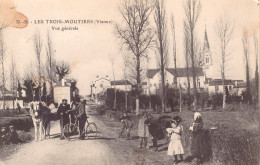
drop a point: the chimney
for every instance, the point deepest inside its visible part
(62, 82)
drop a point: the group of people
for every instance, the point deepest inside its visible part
(198, 144)
(148, 128)
(77, 109)
(9, 136)
(66, 113)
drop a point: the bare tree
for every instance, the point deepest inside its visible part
(136, 34)
(13, 76)
(29, 75)
(126, 60)
(192, 10)
(112, 62)
(50, 63)
(62, 69)
(224, 30)
(2, 62)
(187, 60)
(37, 41)
(162, 43)
(256, 70)
(246, 57)
(174, 49)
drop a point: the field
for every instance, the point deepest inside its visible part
(235, 141)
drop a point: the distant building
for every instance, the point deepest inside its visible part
(216, 86)
(123, 85)
(61, 91)
(9, 99)
(206, 56)
(154, 78)
(239, 87)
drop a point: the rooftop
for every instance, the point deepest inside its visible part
(120, 82)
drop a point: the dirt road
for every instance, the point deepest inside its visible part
(62, 152)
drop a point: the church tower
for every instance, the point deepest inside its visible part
(206, 56)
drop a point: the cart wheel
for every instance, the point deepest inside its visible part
(91, 130)
(70, 131)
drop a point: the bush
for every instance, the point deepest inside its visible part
(231, 147)
(23, 123)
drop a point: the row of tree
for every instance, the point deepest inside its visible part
(138, 36)
(38, 77)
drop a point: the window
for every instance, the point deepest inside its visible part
(216, 88)
(230, 87)
(198, 83)
(207, 59)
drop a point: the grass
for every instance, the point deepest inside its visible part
(235, 141)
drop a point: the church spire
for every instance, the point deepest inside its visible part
(206, 42)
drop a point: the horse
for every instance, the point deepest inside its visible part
(35, 112)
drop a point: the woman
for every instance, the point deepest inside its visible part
(198, 144)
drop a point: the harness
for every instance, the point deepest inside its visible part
(36, 112)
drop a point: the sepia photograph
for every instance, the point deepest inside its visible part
(129, 82)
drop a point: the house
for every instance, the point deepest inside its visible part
(215, 85)
(10, 99)
(62, 91)
(123, 85)
(154, 78)
(239, 87)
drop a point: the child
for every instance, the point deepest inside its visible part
(198, 144)
(13, 136)
(143, 131)
(4, 136)
(126, 125)
(175, 146)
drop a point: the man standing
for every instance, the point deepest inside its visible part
(82, 117)
(63, 114)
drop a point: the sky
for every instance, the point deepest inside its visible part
(91, 49)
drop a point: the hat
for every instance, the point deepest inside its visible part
(11, 126)
(173, 121)
(177, 118)
(196, 115)
(64, 100)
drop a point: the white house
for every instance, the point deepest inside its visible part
(154, 78)
(239, 87)
(123, 85)
(216, 86)
(61, 91)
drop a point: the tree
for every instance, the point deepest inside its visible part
(50, 63)
(136, 34)
(13, 79)
(19, 89)
(256, 70)
(246, 57)
(162, 44)
(2, 62)
(29, 83)
(187, 61)
(174, 49)
(38, 48)
(125, 59)
(224, 31)
(44, 92)
(62, 69)
(192, 10)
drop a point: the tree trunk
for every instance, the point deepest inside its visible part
(193, 71)
(138, 82)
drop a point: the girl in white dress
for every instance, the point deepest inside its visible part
(175, 147)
